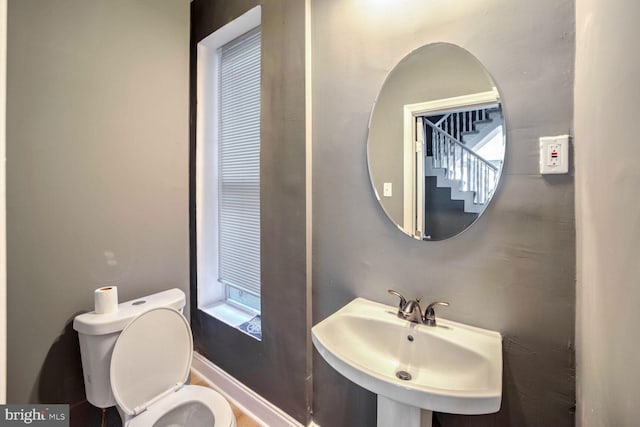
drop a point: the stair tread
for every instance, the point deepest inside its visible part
(466, 196)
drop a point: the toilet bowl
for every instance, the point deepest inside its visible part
(148, 354)
(192, 406)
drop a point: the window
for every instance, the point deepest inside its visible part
(228, 171)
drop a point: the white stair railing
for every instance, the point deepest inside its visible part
(460, 163)
(459, 122)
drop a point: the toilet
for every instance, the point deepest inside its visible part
(139, 359)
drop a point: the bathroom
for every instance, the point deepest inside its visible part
(98, 190)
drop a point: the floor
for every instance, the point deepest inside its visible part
(242, 419)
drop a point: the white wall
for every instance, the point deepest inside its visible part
(607, 103)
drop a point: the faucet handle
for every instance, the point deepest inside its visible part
(430, 313)
(403, 301)
(433, 304)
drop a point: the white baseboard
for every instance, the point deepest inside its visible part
(247, 400)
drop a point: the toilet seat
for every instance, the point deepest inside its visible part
(150, 364)
(189, 394)
(151, 358)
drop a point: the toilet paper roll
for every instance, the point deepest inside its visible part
(106, 300)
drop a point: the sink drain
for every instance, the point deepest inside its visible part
(403, 375)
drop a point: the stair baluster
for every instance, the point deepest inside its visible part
(458, 162)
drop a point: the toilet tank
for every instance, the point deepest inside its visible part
(98, 333)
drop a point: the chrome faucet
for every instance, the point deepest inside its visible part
(410, 310)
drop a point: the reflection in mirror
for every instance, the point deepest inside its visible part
(436, 142)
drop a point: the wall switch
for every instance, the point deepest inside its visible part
(387, 190)
(554, 154)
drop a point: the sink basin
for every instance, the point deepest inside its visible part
(452, 367)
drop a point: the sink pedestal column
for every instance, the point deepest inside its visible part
(392, 413)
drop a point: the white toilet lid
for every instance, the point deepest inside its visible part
(151, 357)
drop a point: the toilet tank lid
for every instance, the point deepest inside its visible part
(100, 324)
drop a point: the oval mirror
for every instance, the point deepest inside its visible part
(436, 142)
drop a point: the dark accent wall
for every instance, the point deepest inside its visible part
(514, 270)
(278, 367)
(97, 166)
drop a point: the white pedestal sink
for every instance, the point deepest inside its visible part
(413, 368)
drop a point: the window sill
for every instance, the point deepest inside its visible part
(244, 321)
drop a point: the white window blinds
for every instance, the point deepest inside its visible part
(239, 163)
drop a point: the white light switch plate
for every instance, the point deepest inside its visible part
(387, 191)
(554, 154)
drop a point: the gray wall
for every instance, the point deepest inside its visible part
(514, 270)
(97, 182)
(607, 100)
(3, 200)
(97, 164)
